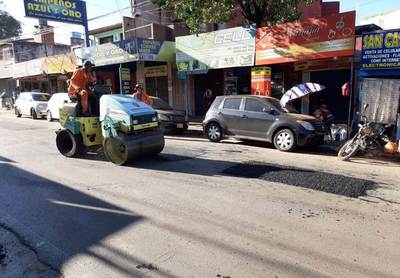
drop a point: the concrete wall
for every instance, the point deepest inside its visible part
(26, 51)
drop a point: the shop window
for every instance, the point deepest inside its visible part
(106, 39)
(232, 103)
(253, 105)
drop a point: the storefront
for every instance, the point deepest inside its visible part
(46, 74)
(216, 63)
(121, 65)
(318, 50)
(380, 79)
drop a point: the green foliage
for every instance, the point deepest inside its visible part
(9, 26)
(197, 12)
(270, 12)
(261, 12)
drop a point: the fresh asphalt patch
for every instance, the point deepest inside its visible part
(2, 255)
(317, 180)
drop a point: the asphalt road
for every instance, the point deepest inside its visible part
(199, 210)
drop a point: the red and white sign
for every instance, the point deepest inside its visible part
(313, 38)
(261, 81)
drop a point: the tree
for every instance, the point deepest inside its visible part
(9, 26)
(194, 13)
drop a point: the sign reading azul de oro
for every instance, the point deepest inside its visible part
(381, 50)
(70, 11)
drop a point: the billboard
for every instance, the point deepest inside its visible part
(226, 48)
(313, 38)
(130, 50)
(69, 11)
(381, 50)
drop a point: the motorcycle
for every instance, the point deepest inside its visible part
(369, 136)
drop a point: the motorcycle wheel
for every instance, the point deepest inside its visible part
(348, 150)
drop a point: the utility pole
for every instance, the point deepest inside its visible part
(43, 29)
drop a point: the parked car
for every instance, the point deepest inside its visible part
(171, 120)
(31, 104)
(55, 103)
(262, 119)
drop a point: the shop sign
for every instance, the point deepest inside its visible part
(261, 81)
(227, 48)
(156, 71)
(69, 11)
(125, 76)
(313, 38)
(381, 50)
(230, 85)
(130, 50)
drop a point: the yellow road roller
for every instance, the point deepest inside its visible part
(126, 129)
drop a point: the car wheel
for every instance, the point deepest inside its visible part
(214, 132)
(49, 117)
(33, 114)
(17, 112)
(284, 140)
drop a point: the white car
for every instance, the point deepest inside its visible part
(55, 103)
(31, 104)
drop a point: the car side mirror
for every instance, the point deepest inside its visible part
(30, 100)
(65, 101)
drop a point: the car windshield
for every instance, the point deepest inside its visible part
(159, 104)
(40, 97)
(277, 105)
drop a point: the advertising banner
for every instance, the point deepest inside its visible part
(57, 64)
(131, 50)
(227, 48)
(125, 79)
(313, 38)
(261, 81)
(381, 50)
(69, 11)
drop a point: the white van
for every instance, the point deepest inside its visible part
(55, 103)
(31, 104)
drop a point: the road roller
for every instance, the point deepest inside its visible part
(125, 128)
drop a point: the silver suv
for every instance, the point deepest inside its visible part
(261, 119)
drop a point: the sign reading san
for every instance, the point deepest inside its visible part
(381, 50)
(69, 11)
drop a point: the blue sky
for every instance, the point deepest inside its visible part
(366, 8)
(99, 7)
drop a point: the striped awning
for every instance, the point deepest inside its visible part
(301, 90)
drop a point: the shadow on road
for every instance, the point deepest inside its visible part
(62, 222)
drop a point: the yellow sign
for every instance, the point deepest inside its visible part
(126, 74)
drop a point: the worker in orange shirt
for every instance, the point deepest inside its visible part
(79, 85)
(141, 95)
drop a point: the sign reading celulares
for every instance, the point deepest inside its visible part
(70, 11)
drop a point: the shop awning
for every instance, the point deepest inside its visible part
(57, 64)
(130, 50)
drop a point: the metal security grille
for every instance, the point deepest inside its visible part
(382, 97)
